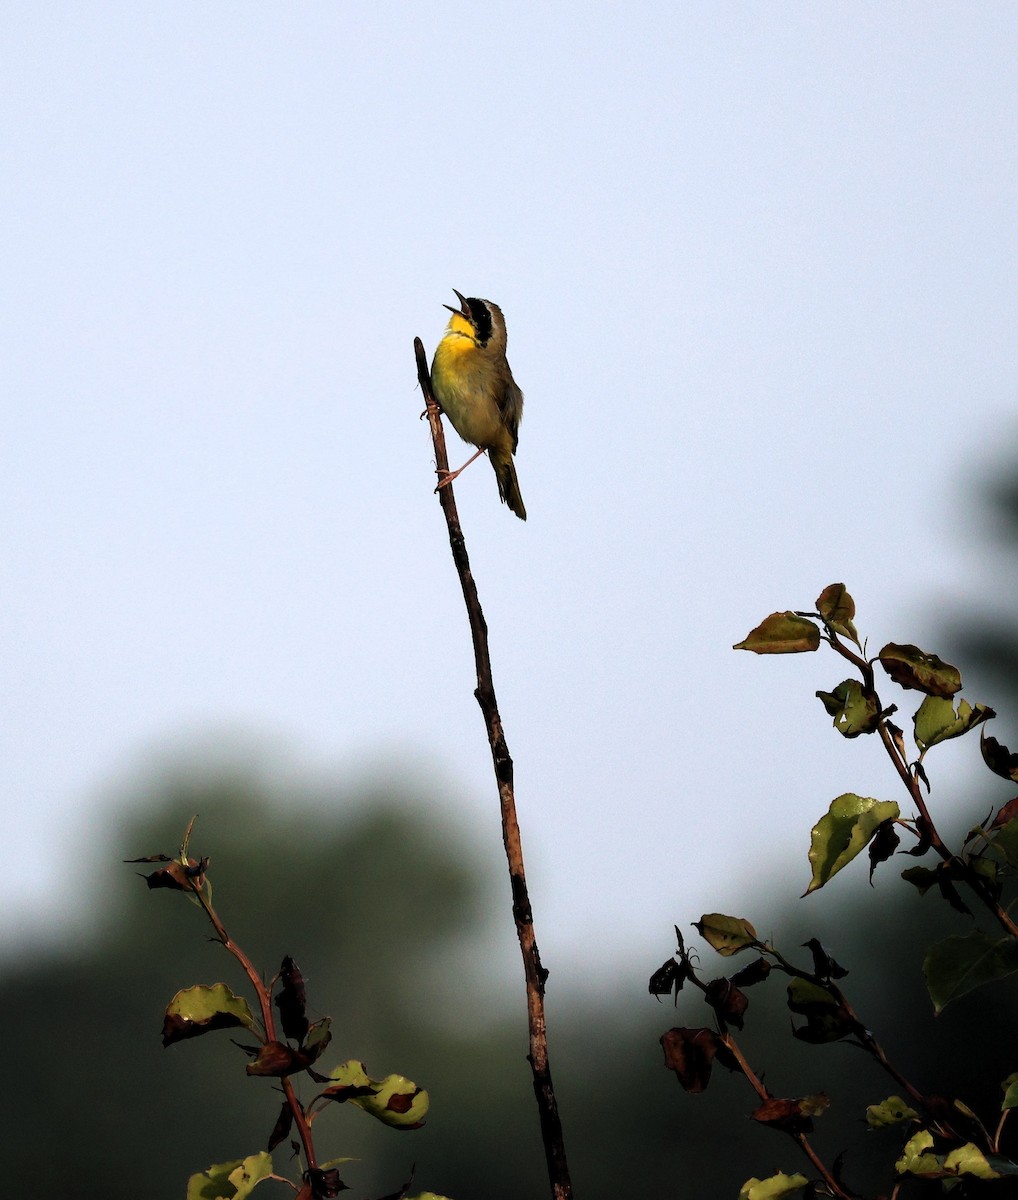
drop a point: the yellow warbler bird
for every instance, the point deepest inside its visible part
(475, 388)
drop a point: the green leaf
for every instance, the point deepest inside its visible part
(911, 667)
(782, 633)
(397, 1102)
(773, 1187)
(986, 868)
(962, 962)
(889, 1112)
(936, 720)
(727, 935)
(1006, 841)
(814, 1105)
(1010, 1093)
(854, 709)
(317, 1039)
(807, 997)
(916, 1158)
(845, 831)
(837, 608)
(394, 1100)
(200, 1009)
(826, 1019)
(969, 1160)
(230, 1180)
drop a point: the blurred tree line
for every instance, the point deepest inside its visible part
(984, 638)
(384, 911)
(388, 911)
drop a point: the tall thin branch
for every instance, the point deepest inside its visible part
(551, 1126)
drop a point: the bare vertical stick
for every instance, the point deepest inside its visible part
(551, 1126)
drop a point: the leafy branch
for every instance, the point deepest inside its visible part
(946, 1145)
(990, 853)
(284, 1052)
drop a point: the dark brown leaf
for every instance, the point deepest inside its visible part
(281, 1129)
(179, 876)
(274, 1059)
(950, 892)
(689, 1053)
(786, 1115)
(911, 667)
(885, 842)
(325, 1185)
(177, 1028)
(921, 878)
(826, 1018)
(998, 758)
(1006, 815)
(292, 1001)
(728, 1002)
(756, 972)
(925, 838)
(339, 1092)
(668, 978)
(825, 965)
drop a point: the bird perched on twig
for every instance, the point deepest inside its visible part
(474, 386)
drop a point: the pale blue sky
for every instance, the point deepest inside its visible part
(758, 267)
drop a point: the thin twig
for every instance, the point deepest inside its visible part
(727, 1039)
(864, 1039)
(800, 1139)
(265, 1005)
(551, 1126)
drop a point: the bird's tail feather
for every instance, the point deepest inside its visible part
(508, 485)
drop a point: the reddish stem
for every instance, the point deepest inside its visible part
(265, 1005)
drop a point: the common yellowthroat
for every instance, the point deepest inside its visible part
(473, 384)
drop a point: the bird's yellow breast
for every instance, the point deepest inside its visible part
(467, 385)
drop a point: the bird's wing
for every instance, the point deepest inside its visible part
(510, 407)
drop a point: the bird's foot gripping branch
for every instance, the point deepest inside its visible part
(942, 1145)
(284, 1046)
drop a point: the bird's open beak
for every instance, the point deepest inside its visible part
(463, 310)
